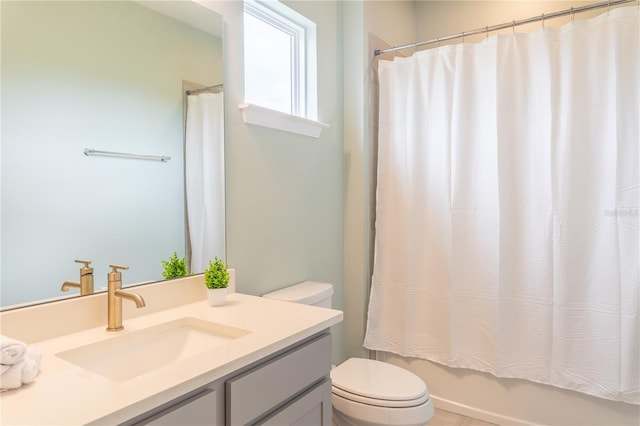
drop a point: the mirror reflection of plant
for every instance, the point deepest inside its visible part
(175, 268)
(216, 275)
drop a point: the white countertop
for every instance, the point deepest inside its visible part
(65, 394)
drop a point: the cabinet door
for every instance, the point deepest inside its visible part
(311, 408)
(203, 408)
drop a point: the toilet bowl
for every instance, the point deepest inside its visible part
(366, 392)
(369, 392)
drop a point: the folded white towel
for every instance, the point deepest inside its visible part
(29, 371)
(22, 372)
(34, 354)
(11, 351)
(12, 378)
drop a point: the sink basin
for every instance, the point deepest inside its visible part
(132, 354)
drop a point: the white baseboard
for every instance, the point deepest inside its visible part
(477, 413)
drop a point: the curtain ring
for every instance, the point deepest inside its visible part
(572, 15)
(463, 36)
(438, 41)
(543, 20)
(486, 32)
(513, 27)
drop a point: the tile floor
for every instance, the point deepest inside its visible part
(446, 418)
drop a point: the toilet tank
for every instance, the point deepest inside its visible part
(308, 293)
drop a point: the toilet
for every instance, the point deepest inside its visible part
(366, 392)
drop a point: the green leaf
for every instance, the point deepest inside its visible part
(217, 274)
(175, 267)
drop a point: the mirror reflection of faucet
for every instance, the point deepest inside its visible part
(115, 296)
(86, 279)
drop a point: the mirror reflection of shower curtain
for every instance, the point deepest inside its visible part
(204, 175)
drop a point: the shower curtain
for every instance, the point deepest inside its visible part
(204, 175)
(507, 217)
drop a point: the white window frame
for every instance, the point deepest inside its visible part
(297, 34)
(304, 93)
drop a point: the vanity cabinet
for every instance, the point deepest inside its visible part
(291, 387)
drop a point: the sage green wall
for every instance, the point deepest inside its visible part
(285, 191)
(441, 18)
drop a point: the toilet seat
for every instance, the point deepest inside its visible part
(378, 402)
(378, 383)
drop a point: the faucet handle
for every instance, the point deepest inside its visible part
(114, 268)
(86, 269)
(114, 278)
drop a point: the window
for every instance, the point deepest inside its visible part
(279, 59)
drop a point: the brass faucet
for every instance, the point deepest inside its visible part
(115, 296)
(86, 279)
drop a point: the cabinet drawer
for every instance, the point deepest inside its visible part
(204, 407)
(264, 388)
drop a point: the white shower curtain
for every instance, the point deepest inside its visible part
(204, 173)
(507, 227)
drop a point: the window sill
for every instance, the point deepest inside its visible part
(266, 117)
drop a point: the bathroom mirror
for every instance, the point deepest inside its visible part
(107, 76)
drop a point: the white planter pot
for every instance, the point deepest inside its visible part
(217, 296)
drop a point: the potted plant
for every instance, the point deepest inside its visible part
(216, 278)
(174, 268)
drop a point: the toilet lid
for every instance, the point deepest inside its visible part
(378, 380)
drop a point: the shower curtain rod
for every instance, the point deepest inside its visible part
(512, 24)
(204, 89)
